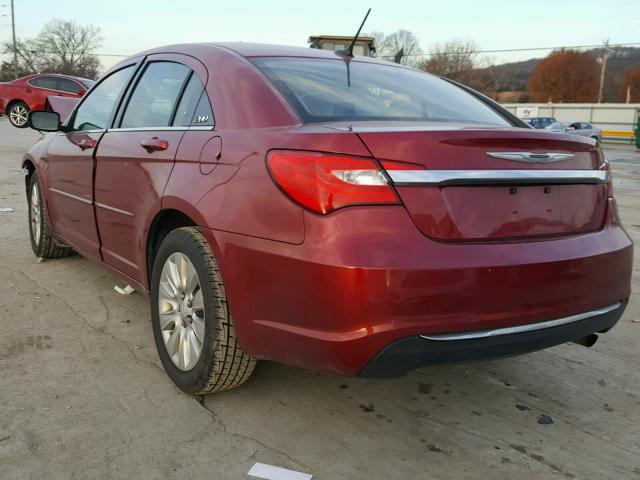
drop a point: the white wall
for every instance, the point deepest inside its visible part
(607, 116)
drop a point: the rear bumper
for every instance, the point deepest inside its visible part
(365, 278)
(410, 353)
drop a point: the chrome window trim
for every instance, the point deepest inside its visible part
(142, 129)
(493, 177)
(160, 129)
(529, 327)
(55, 89)
(67, 132)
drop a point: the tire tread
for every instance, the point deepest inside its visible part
(48, 247)
(232, 366)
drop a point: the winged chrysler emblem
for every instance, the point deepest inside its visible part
(532, 157)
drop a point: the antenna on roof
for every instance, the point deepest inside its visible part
(349, 51)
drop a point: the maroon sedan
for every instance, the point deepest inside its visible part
(19, 97)
(342, 214)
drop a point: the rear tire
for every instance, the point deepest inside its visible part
(192, 326)
(42, 242)
(18, 114)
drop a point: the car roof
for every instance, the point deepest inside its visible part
(61, 75)
(249, 50)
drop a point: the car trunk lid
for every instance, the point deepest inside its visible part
(469, 183)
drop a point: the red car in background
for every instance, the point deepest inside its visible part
(338, 213)
(20, 96)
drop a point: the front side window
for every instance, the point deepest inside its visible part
(327, 90)
(155, 95)
(95, 112)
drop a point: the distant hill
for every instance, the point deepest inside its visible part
(509, 80)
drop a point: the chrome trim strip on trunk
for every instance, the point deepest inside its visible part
(496, 177)
(529, 327)
(529, 157)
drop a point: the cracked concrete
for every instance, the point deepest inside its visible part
(83, 394)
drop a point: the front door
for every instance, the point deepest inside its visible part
(135, 158)
(68, 167)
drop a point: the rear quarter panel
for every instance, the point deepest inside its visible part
(239, 195)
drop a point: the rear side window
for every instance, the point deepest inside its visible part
(155, 95)
(95, 112)
(67, 85)
(194, 107)
(45, 82)
(326, 90)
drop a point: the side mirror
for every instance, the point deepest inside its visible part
(44, 120)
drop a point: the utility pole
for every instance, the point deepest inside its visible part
(603, 69)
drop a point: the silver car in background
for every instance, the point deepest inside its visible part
(577, 128)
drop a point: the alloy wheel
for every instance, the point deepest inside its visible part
(181, 309)
(18, 115)
(36, 217)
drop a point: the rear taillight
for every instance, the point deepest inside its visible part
(607, 168)
(323, 182)
(612, 201)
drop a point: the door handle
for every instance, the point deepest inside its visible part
(154, 144)
(86, 143)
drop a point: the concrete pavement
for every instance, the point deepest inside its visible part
(83, 394)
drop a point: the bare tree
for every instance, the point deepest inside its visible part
(61, 47)
(70, 46)
(28, 59)
(401, 46)
(455, 59)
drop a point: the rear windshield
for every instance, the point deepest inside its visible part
(326, 90)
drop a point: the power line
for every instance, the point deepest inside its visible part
(507, 50)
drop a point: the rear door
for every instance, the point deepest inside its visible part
(136, 157)
(68, 165)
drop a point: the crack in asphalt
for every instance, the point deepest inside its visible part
(83, 318)
(199, 400)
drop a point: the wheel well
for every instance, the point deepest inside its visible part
(11, 102)
(165, 222)
(30, 167)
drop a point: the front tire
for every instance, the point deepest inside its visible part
(42, 242)
(192, 326)
(18, 114)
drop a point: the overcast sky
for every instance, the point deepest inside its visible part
(131, 26)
